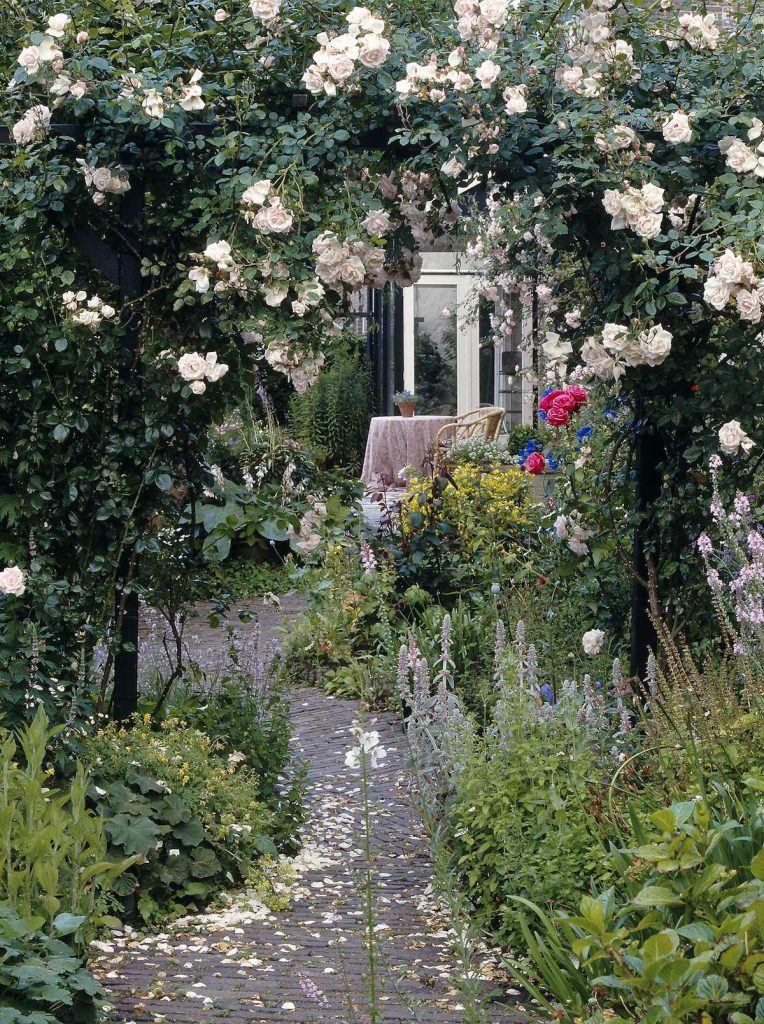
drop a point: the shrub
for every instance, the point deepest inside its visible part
(332, 417)
(685, 942)
(192, 814)
(465, 530)
(522, 818)
(53, 857)
(42, 979)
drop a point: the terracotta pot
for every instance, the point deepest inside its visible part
(407, 408)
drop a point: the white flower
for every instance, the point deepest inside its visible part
(592, 641)
(191, 94)
(192, 366)
(201, 278)
(32, 126)
(748, 305)
(273, 219)
(30, 59)
(221, 14)
(494, 11)
(555, 349)
(647, 225)
(57, 25)
(153, 103)
(514, 99)
(197, 387)
(12, 581)
(265, 10)
(561, 527)
(257, 193)
(732, 438)
(368, 745)
(220, 254)
(452, 168)
(275, 294)
(373, 51)
(213, 369)
(376, 222)
(717, 292)
(729, 267)
(487, 73)
(677, 129)
(655, 345)
(82, 37)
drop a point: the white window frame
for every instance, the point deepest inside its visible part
(441, 268)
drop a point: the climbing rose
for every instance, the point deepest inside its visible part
(592, 641)
(677, 129)
(12, 581)
(535, 463)
(732, 438)
(558, 416)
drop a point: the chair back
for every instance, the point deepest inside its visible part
(486, 422)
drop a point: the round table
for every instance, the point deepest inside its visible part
(395, 442)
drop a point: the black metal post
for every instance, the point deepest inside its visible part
(125, 697)
(649, 452)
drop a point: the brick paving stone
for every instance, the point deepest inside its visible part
(250, 965)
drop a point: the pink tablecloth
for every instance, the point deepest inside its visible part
(396, 442)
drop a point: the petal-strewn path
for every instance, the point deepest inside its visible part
(307, 963)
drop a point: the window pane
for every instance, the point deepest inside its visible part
(435, 348)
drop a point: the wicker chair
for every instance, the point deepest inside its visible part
(486, 422)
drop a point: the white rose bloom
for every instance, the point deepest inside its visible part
(197, 387)
(615, 337)
(201, 278)
(717, 292)
(265, 10)
(597, 359)
(592, 641)
(32, 126)
(732, 438)
(569, 77)
(353, 271)
(82, 37)
(30, 59)
(452, 168)
(494, 11)
(648, 225)
(748, 305)
(275, 294)
(376, 222)
(78, 89)
(655, 345)
(514, 99)
(221, 14)
(213, 369)
(339, 66)
(57, 25)
(729, 267)
(740, 158)
(12, 581)
(191, 94)
(373, 51)
(652, 196)
(192, 366)
(677, 129)
(612, 200)
(257, 193)
(487, 73)
(278, 218)
(561, 527)
(220, 253)
(153, 104)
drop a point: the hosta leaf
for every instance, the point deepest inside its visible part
(134, 834)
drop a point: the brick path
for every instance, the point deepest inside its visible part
(247, 965)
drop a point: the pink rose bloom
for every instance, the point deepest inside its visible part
(557, 416)
(535, 463)
(580, 394)
(547, 400)
(565, 401)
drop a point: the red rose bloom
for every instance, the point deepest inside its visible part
(565, 401)
(557, 416)
(580, 394)
(547, 400)
(535, 463)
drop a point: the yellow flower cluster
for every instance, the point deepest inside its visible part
(493, 499)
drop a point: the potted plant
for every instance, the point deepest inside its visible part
(406, 402)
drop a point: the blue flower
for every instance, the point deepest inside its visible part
(547, 693)
(582, 433)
